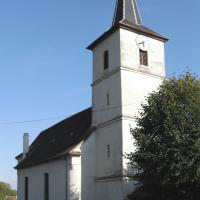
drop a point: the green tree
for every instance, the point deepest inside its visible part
(167, 141)
(5, 190)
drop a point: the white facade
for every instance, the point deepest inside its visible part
(74, 178)
(64, 180)
(88, 161)
(127, 83)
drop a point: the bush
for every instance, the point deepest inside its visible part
(167, 140)
(5, 190)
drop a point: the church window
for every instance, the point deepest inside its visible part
(26, 188)
(108, 99)
(46, 186)
(106, 59)
(143, 58)
(71, 166)
(108, 151)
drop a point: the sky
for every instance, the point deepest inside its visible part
(45, 69)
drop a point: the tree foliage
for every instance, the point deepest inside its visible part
(5, 190)
(167, 140)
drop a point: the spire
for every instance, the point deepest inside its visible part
(127, 11)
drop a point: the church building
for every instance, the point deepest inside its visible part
(81, 157)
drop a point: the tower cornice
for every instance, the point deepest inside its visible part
(140, 29)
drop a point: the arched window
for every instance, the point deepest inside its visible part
(106, 59)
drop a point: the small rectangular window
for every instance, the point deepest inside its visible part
(108, 99)
(143, 58)
(108, 151)
(26, 188)
(106, 59)
(46, 186)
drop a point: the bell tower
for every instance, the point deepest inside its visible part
(128, 64)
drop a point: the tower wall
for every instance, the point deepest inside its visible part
(111, 85)
(137, 82)
(88, 160)
(128, 83)
(117, 94)
(112, 44)
(109, 166)
(129, 54)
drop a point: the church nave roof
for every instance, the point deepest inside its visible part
(58, 140)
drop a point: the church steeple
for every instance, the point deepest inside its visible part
(127, 16)
(127, 11)
(128, 64)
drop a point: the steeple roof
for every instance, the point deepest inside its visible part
(127, 11)
(127, 17)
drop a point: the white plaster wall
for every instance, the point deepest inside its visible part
(64, 180)
(88, 160)
(135, 87)
(128, 83)
(57, 181)
(110, 134)
(109, 190)
(101, 111)
(104, 82)
(112, 44)
(127, 143)
(114, 189)
(74, 177)
(129, 54)
(137, 82)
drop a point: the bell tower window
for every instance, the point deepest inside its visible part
(108, 151)
(143, 57)
(106, 59)
(108, 99)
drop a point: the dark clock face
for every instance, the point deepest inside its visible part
(142, 42)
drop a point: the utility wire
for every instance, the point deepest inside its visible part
(62, 116)
(113, 107)
(30, 121)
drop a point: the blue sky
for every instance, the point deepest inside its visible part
(45, 70)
